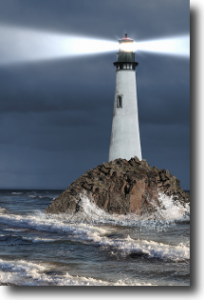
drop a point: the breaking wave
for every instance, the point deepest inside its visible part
(100, 235)
(27, 273)
(23, 272)
(103, 249)
(169, 210)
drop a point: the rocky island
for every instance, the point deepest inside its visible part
(120, 187)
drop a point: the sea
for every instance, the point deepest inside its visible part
(92, 247)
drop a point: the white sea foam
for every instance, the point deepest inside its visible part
(21, 272)
(170, 208)
(151, 249)
(32, 239)
(2, 210)
(14, 229)
(167, 212)
(39, 239)
(56, 224)
(97, 236)
(73, 229)
(93, 226)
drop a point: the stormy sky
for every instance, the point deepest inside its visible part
(56, 114)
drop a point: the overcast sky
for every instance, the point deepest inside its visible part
(56, 115)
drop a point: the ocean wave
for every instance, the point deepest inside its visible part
(16, 193)
(2, 210)
(46, 198)
(33, 194)
(170, 209)
(21, 272)
(167, 212)
(39, 239)
(152, 249)
(41, 198)
(43, 222)
(14, 229)
(97, 236)
(15, 238)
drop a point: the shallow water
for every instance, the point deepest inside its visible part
(91, 247)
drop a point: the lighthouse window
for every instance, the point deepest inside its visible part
(124, 66)
(119, 102)
(130, 66)
(127, 66)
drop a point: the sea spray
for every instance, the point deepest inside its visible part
(166, 208)
(170, 208)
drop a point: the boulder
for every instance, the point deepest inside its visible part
(120, 187)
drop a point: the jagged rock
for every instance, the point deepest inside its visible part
(120, 187)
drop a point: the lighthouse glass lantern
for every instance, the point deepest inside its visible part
(125, 135)
(126, 44)
(126, 56)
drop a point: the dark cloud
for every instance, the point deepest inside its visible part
(58, 86)
(78, 84)
(142, 18)
(56, 116)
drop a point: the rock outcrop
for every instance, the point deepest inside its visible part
(120, 187)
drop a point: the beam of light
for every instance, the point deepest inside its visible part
(179, 46)
(19, 45)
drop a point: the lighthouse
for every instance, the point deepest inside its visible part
(125, 135)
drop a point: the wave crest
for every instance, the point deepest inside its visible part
(168, 209)
(98, 236)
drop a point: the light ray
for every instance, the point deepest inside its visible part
(20, 45)
(179, 46)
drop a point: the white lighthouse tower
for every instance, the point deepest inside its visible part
(125, 135)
